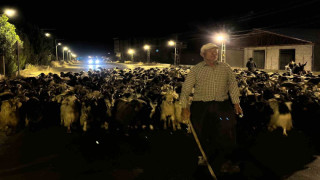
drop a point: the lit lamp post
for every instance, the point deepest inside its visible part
(59, 44)
(74, 56)
(221, 38)
(172, 43)
(131, 52)
(64, 49)
(68, 54)
(147, 48)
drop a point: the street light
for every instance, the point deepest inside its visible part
(73, 55)
(222, 38)
(64, 49)
(10, 12)
(68, 54)
(131, 52)
(59, 44)
(173, 43)
(47, 34)
(147, 48)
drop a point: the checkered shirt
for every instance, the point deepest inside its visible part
(210, 84)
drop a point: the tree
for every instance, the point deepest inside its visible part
(8, 40)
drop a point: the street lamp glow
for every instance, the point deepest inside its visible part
(220, 37)
(146, 47)
(64, 49)
(131, 51)
(10, 12)
(47, 34)
(59, 44)
(171, 43)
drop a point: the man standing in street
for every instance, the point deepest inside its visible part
(214, 106)
(251, 65)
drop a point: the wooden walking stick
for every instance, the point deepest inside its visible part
(201, 150)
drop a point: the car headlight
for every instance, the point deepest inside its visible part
(97, 61)
(90, 61)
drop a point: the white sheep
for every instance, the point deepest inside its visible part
(9, 114)
(283, 120)
(168, 110)
(69, 111)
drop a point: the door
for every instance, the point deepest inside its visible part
(259, 58)
(286, 55)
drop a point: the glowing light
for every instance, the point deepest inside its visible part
(10, 12)
(131, 51)
(90, 61)
(220, 37)
(97, 61)
(171, 43)
(47, 34)
(146, 47)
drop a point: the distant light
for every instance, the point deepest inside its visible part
(131, 51)
(157, 50)
(97, 61)
(10, 12)
(59, 44)
(97, 142)
(171, 43)
(47, 34)
(65, 48)
(146, 47)
(90, 61)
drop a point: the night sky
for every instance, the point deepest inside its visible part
(88, 27)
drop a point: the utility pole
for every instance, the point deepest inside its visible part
(223, 52)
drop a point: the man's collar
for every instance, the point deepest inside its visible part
(215, 63)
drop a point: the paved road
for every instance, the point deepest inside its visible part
(82, 66)
(51, 153)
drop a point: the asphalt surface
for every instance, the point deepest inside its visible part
(51, 153)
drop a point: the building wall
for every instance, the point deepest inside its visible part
(303, 54)
(234, 57)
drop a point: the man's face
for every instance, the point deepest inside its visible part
(211, 55)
